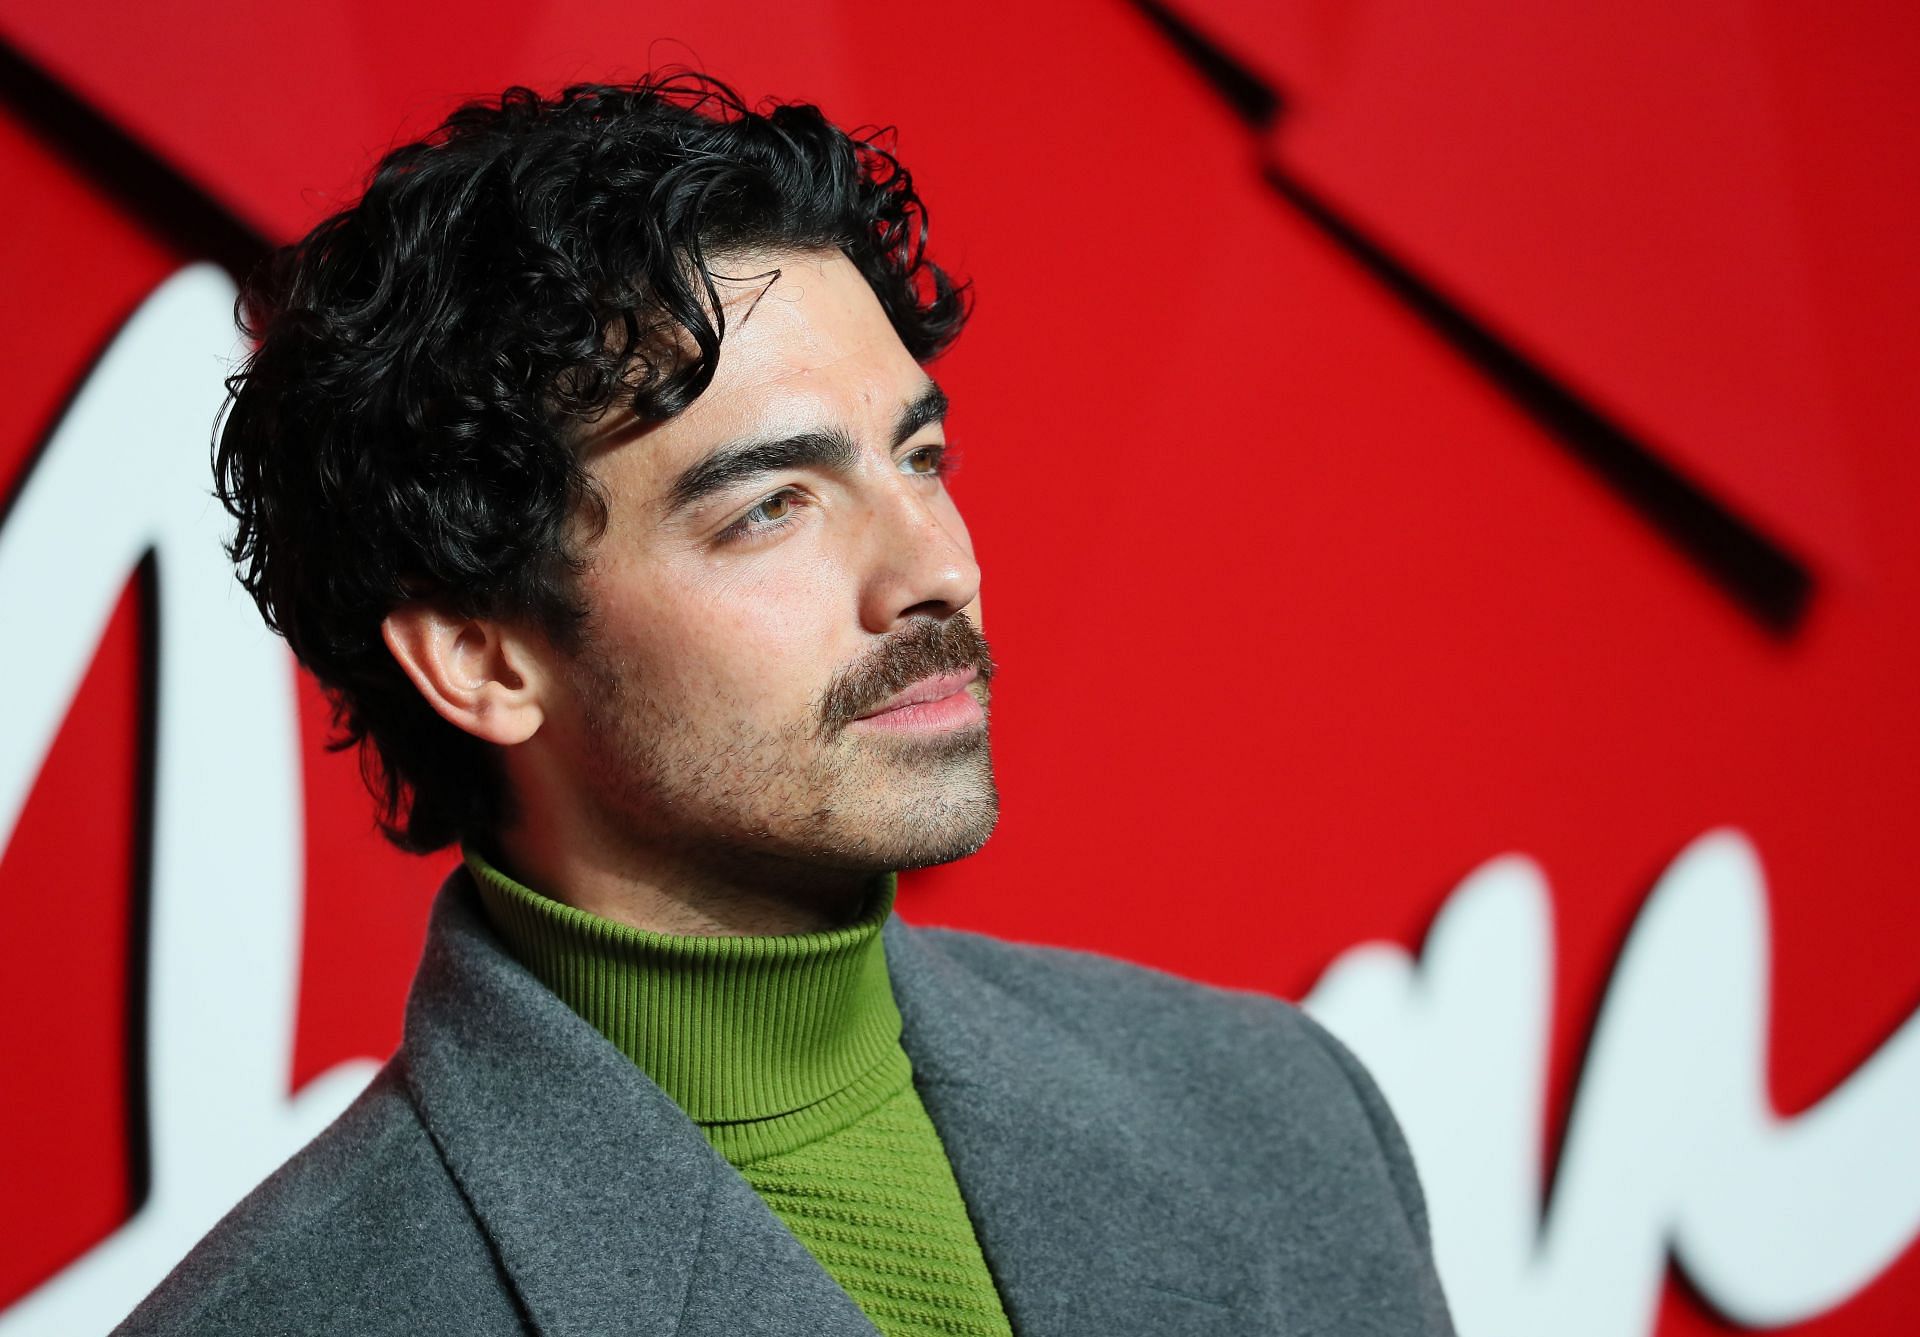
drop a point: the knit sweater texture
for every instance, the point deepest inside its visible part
(785, 1051)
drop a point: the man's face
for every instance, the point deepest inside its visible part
(781, 561)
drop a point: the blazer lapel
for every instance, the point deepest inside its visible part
(1085, 1231)
(607, 1208)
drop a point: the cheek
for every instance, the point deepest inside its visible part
(742, 640)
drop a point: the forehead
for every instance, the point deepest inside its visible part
(807, 345)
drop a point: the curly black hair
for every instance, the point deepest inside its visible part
(404, 425)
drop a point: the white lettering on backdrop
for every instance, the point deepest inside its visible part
(126, 474)
(1672, 1143)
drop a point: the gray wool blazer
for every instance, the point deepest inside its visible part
(1140, 1154)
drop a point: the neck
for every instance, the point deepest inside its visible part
(681, 891)
(733, 1028)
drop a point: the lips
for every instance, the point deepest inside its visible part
(936, 688)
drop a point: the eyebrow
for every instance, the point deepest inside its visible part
(828, 448)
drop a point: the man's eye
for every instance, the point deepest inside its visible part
(776, 512)
(928, 461)
(775, 508)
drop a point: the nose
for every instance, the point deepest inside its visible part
(920, 561)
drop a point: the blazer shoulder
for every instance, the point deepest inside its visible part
(1104, 1000)
(1240, 1055)
(361, 1231)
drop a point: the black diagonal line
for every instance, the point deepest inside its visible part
(148, 189)
(158, 199)
(1762, 576)
(1766, 580)
(1253, 99)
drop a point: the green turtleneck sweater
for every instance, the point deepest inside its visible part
(785, 1051)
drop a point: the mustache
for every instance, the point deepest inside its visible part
(927, 647)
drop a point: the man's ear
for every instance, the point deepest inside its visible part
(479, 675)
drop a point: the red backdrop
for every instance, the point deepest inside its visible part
(1397, 437)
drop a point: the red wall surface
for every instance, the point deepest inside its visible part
(1445, 479)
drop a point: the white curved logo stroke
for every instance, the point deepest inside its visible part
(1672, 1143)
(126, 474)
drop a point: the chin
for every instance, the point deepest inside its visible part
(884, 814)
(947, 826)
(957, 845)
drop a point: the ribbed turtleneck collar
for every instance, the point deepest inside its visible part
(733, 1028)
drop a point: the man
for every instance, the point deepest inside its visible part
(591, 461)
